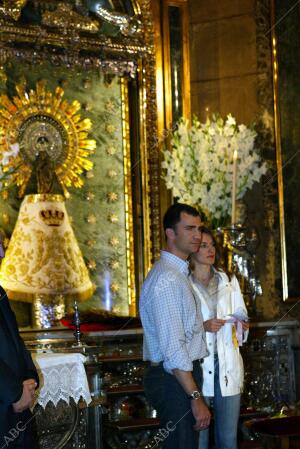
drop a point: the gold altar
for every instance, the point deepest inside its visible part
(72, 114)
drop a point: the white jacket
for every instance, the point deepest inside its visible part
(231, 371)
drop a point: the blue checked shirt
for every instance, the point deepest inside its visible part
(171, 316)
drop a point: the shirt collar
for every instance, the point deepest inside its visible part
(181, 264)
(216, 272)
(216, 275)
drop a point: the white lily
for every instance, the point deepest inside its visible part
(198, 169)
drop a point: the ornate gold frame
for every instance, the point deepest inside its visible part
(163, 78)
(279, 168)
(128, 200)
(186, 100)
(284, 273)
(131, 55)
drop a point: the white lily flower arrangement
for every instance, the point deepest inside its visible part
(198, 167)
(8, 165)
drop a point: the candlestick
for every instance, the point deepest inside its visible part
(76, 321)
(233, 196)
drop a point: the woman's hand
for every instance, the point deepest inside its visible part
(245, 325)
(213, 325)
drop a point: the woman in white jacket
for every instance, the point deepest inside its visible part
(220, 297)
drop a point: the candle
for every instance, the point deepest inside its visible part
(233, 197)
(207, 113)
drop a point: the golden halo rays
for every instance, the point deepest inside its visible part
(41, 118)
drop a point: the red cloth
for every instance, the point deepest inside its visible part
(100, 326)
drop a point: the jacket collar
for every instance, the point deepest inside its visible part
(176, 262)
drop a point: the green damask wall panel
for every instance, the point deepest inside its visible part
(89, 207)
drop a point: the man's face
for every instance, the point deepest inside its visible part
(185, 238)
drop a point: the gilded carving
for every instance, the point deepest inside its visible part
(128, 25)
(270, 272)
(130, 56)
(12, 8)
(64, 17)
(112, 197)
(53, 137)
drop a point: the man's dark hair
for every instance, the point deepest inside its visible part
(172, 216)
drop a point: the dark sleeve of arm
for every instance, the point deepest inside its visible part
(30, 370)
(11, 388)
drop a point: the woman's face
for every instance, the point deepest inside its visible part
(207, 252)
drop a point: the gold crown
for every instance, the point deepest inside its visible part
(52, 217)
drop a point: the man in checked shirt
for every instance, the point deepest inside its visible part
(174, 337)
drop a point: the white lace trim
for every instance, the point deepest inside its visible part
(62, 376)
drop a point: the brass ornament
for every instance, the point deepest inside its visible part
(111, 150)
(114, 264)
(112, 197)
(64, 17)
(110, 128)
(92, 265)
(128, 25)
(45, 125)
(115, 287)
(91, 243)
(110, 106)
(113, 218)
(13, 8)
(91, 219)
(111, 173)
(114, 242)
(5, 218)
(90, 196)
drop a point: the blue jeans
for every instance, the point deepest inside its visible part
(173, 406)
(226, 410)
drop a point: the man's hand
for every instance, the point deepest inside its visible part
(199, 409)
(30, 384)
(201, 414)
(213, 325)
(27, 398)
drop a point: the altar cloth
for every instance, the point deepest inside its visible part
(62, 377)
